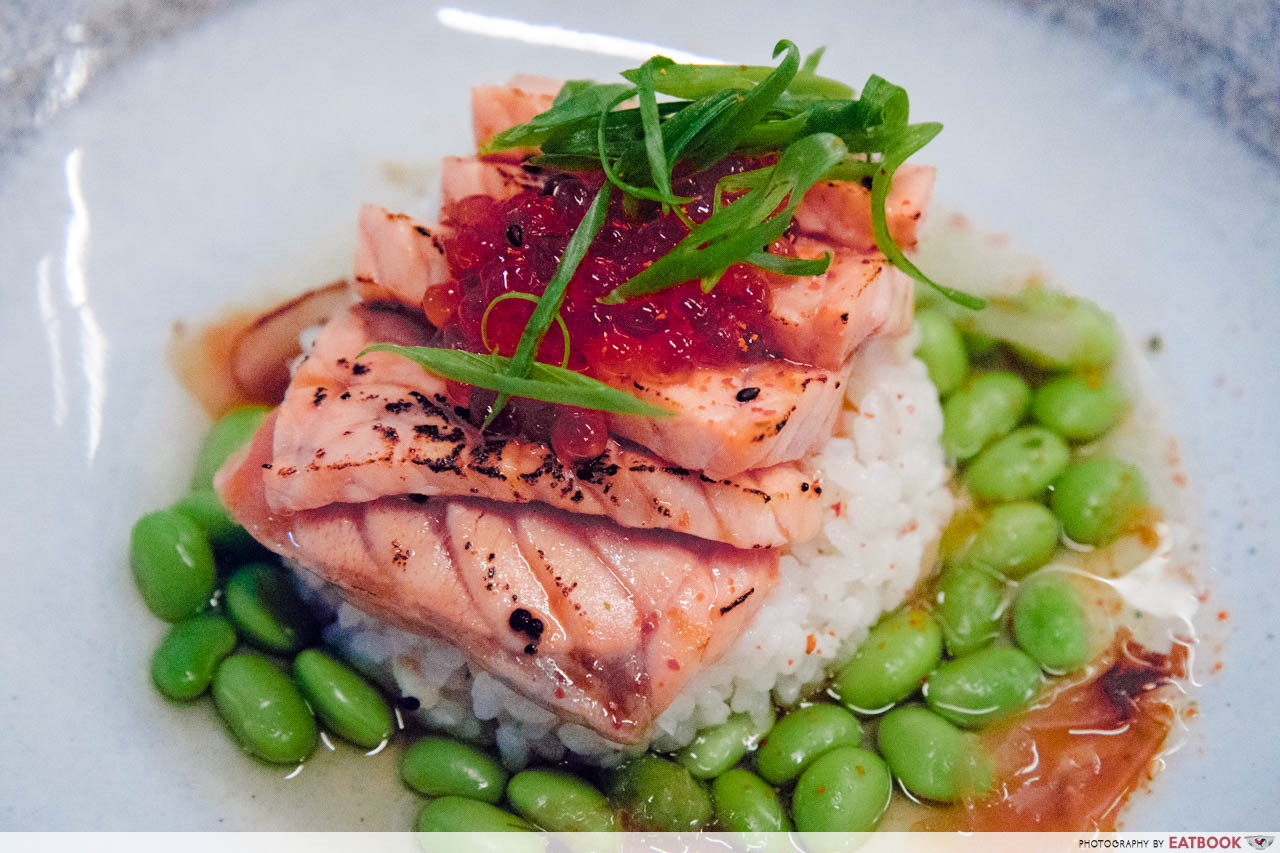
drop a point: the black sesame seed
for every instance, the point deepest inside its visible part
(746, 395)
(515, 235)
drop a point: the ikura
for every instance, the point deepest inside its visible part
(514, 246)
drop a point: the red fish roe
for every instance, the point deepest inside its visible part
(514, 247)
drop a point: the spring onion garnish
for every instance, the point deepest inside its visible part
(545, 382)
(818, 129)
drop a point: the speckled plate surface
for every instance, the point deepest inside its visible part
(227, 161)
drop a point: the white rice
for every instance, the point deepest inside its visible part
(885, 480)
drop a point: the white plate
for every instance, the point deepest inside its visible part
(229, 162)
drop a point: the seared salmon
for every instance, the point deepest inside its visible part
(356, 430)
(600, 623)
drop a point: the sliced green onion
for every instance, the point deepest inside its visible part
(544, 382)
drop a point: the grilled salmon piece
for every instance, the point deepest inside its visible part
(398, 257)
(839, 212)
(351, 431)
(600, 623)
(821, 320)
(498, 179)
(733, 419)
(496, 108)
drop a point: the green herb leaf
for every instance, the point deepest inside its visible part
(789, 266)
(544, 382)
(695, 81)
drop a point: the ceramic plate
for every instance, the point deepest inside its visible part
(226, 164)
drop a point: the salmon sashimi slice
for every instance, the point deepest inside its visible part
(597, 622)
(498, 179)
(398, 257)
(733, 419)
(352, 431)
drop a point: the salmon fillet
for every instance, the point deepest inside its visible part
(597, 622)
(398, 257)
(733, 419)
(350, 432)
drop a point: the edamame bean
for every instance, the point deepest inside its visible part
(982, 686)
(660, 795)
(263, 604)
(440, 767)
(1076, 408)
(846, 790)
(560, 802)
(978, 344)
(350, 706)
(931, 757)
(971, 602)
(803, 735)
(205, 508)
(985, 407)
(1021, 465)
(942, 351)
(1050, 624)
(746, 803)
(184, 662)
(462, 814)
(228, 434)
(1050, 329)
(718, 748)
(891, 663)
(173, 565)
(1096, 498)
(1013, 539)
(263, 709)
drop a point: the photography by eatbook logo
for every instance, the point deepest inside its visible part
(1260, 842)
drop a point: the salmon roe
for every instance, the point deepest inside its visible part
(514, 246)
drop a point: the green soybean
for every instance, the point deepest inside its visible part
(1096, 498)
(982, 686)
(1019, 466)
(971, 603)
(440, 767)
(1050, 624)
(263, 604)
(1076, 408)
(846, 790)
(1049, 329)
(263, 709)
(1013, 539)
(931, 757)
(986, 406)
(660, 795)
(462, 814)
(891, 663)
(184, 662)
(978, 344)
(560, 802)
(746, 803)
(718, 748)
(228, 434)
(942, 350)
(350, 706)
(172, 563)
(803, 735)
(205, 508)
